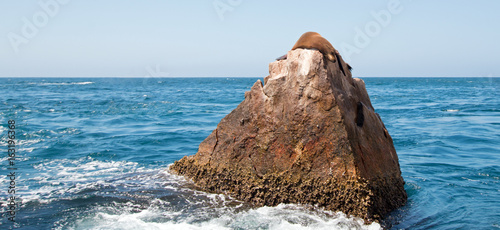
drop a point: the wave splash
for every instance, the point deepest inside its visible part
(159, 216)
(125, 195)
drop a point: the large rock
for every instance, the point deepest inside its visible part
(308, 135)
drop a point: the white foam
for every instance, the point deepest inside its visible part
(291, 217)
(26, 150)
(206, 210)
(2, 129)
(63, 177)
(65, 83)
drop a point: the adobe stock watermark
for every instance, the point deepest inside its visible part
(153, 74)
(30, 28)
(372, 29)
(13, 199)
(224, 6)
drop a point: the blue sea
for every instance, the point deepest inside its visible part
(93, 154)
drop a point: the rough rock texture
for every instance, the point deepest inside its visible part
(308, 135)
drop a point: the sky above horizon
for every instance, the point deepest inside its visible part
(239, 38)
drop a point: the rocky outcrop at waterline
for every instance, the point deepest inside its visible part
(308, 135)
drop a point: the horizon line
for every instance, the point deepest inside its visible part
(143, 77)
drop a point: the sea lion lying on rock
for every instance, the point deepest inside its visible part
(313, 40)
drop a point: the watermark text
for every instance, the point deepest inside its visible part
(224, 6)
(363, 36)
(30, 28)
(11, 168)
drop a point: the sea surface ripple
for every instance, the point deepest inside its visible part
(93, 154)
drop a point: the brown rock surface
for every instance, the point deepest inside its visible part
(308, 135)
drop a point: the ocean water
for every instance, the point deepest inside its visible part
(93, 153)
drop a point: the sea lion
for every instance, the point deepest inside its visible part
(313, 40)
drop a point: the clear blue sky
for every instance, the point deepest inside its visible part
(239, 38)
